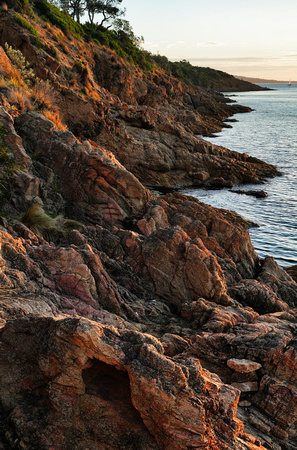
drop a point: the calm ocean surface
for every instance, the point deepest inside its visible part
(268, 133)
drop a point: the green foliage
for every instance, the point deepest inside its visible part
(23, 4)
(132, 51)
(126, 46)
(192, 75)
(20, 5)
(23, 66)
(122, 39)
(104, 37)
(59, 18)
(43, 224)
(51, 50)
(163, 62)
(35, 38)
(37, 220)
(7, 164)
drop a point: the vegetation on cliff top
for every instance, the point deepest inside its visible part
(119, 38)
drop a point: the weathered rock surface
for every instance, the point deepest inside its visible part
(119, 334)
(90, 179)
(150, 121)
(243, 365)
(110, 389)
(173, 268)
(254, 193)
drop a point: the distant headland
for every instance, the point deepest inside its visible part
(262, 80)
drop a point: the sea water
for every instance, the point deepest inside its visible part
(269, 133)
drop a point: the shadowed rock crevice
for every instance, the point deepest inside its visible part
(110, 389)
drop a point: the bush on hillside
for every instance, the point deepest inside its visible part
(7, 164)
(35, 38)
(19, 61)
(61, 19)
(124, 43)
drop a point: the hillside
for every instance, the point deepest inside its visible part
(262, 80)
(129, 320)
(214, 80)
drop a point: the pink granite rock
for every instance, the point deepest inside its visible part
(243, 365)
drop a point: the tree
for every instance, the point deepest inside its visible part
(123, 29)
(91, 7)
(75, 8)
(108, 9)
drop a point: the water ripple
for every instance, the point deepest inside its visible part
(268, 133)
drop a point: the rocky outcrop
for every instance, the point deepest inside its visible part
(132, 320)
(254, 193)
(166, 288)
(174, 291)
(97, 386)
(150, 121)
(269, 341)
(90, 179)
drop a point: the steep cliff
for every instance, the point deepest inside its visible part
(149, 120)
(130, 320)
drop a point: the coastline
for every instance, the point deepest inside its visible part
(130, 320)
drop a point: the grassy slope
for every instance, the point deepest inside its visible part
(124, 46)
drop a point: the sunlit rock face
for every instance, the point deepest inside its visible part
(93, 385)
(166, 291)
(136, 320)
(91, 178)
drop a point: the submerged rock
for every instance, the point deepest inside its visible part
(254, 193)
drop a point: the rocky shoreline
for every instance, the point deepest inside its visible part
(130, 320)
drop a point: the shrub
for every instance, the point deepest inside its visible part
(59, 18)
(9, 71)
(20, 5)
(44, 96)
(35, 38)
(7, 163)
(23, 66)
(37, 220)
(20, 98)
(196, 76)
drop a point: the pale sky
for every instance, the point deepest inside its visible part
(255, 38)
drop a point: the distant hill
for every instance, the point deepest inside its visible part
(261, 80)
(205, 77)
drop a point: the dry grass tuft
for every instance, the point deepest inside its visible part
(20, 98)
(7, 70)
(37, 220)
(52, 229)
(55, 117)
(44, 96)
(5, 65)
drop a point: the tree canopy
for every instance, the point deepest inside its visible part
(107, 10)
